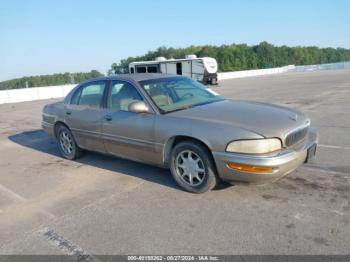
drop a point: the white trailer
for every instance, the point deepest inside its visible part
(203, 69)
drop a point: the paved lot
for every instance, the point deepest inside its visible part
(105, 205)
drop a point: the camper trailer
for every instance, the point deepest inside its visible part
(202, 69)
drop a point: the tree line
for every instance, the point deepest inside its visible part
(232, 57)
(236, 57)
(49, 80)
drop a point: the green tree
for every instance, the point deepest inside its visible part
(244, 57)
(49, 80)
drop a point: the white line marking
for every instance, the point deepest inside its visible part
(21, 199)
(298, 216)
(46, 213)
(337, 212)
(335, 147)
(331, 210)
(12, 194)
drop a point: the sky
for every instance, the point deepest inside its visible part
(46, 36)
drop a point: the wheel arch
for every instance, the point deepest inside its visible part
(174, 140)
(57, 124)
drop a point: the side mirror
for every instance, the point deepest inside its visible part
(138, 107)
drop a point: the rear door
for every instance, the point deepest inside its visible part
(85, 113)
(127, 134)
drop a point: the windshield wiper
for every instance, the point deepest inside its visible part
(207, 102)
(180, 108)
(194, 105)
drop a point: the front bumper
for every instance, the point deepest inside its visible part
(48, 128)
(284, 162)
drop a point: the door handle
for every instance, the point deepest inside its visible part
(108, 117)
(68, 112)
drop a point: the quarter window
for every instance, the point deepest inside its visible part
(75, 97)
(121, 95)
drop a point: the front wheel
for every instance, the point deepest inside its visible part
(193, 168)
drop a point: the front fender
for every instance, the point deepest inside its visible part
(215, 136)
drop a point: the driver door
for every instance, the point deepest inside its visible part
(127, 134)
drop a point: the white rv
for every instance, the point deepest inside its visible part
(203, 69)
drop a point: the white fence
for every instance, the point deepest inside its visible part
(332, 66)
(37, 93)
(34, 93)
(258, 72)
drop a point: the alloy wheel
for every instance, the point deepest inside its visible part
(190, 167)
(66, 142)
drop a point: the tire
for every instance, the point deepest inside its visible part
(191, 159)
(66, 143)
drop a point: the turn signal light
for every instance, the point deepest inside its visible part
(252, 169)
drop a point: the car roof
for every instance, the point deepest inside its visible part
(136, 77)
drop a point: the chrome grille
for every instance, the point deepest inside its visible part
(296, 136)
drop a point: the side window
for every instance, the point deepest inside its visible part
(91, 95)
(152, 69)
(141, 69)
(121, 95)
(132, 70)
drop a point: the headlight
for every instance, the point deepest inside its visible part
(256, 146)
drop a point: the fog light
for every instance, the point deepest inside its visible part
(252, 169)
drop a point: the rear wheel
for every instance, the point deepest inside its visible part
(66, 143)
(193, 168)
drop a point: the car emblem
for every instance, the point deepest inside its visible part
(294, 118)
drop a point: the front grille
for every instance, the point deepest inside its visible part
(296, 136)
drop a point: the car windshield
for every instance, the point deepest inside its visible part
(177, 93)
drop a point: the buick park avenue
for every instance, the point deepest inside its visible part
(177, 123)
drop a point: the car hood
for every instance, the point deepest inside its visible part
(264, 119)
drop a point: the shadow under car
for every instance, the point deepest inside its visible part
(40, 141)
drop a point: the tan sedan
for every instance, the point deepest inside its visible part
(177, 123)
